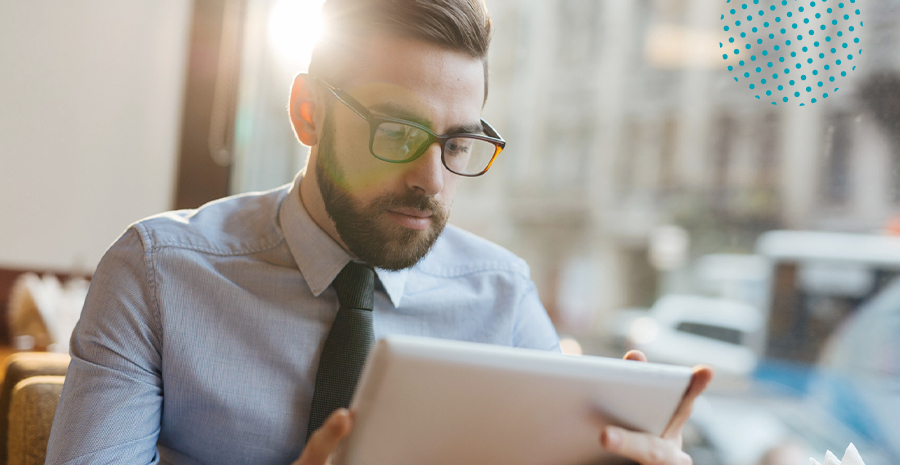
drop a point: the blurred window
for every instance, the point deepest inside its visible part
(837, 159)
(719, 333)
(578, 37)
(769, 146)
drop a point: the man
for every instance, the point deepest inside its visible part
(206, 332)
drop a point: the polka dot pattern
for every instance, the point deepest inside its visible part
(810, 44)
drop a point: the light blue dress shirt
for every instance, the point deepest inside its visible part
(201, 333)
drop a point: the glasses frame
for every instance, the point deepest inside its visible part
(490, 134)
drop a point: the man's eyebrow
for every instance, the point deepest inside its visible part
(396, 111)
(474, 128)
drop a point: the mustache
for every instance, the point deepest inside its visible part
(412, 199)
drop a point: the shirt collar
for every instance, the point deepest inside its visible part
(318, 256)
(393, 282)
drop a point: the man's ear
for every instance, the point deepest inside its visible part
(304, 107)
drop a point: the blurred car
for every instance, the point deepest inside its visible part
(852, 394)
(691, 329)
(858, 375)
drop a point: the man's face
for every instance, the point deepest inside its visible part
(388, 214)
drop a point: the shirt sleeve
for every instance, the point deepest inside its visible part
(111, 403)
(533, 328)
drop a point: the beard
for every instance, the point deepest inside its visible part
(365, 229)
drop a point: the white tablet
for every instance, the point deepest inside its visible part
(440, 402)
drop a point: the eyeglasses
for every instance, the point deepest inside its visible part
(399, 141)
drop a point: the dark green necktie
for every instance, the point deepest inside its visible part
(347, 344)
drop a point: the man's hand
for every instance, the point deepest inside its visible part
(324, 441)
(647, 449)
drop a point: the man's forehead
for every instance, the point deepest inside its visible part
(389, 55)
(421, 79)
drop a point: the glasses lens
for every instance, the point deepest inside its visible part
(397, 141)
(464, 155)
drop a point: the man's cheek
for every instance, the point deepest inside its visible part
(370, 180)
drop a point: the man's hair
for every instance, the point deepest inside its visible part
(458, 25)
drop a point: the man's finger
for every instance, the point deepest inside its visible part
(635, 355)
(702, 376)
(643, 448)
(324, 441)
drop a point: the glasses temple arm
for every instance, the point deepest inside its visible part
(344, 97)
(490, 131)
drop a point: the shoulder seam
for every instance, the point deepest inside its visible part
(212, 250)
(187, 240)
(147, 242)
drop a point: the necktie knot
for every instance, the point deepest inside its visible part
(355, 286)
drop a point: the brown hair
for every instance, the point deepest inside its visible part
(458, 25)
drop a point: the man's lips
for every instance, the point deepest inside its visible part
(408, 211)
(411, 218)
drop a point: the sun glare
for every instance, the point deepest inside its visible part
(294, 27)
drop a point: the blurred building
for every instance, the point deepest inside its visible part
(622, 119)
(631, 150)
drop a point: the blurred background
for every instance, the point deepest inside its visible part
(659, 204)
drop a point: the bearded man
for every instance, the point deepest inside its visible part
(209, 335)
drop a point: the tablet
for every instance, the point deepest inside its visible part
(440, 402)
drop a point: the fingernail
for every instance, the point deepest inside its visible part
(613, 438)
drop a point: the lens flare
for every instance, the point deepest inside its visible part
(294, 27)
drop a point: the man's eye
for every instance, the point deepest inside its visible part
(454, 148)
(395, 132)
(395, 135)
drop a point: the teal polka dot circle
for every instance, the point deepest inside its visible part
(770, 47)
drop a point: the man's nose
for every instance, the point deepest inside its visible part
(426, 173)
